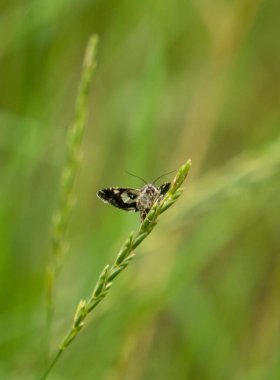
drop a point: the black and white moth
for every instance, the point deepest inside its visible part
(130, 199)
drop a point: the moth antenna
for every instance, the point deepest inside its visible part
(134, 175)
(162, 176)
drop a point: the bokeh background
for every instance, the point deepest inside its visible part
(175, 80)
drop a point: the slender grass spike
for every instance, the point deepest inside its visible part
(126, 254)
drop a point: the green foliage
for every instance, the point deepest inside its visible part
(174, 80)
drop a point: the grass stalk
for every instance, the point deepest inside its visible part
(124, 257)
(62, 215)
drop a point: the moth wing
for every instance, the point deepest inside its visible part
(164, 188)
(121, 197)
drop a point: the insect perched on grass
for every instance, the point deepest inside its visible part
(130, 199)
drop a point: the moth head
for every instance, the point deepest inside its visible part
(150, 189)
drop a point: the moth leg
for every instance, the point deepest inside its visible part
(160, 198)
(143, 213)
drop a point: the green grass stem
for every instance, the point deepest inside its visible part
(62, 215)
(124, 257)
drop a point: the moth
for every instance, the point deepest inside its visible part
(137, 200)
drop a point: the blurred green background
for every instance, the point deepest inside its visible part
(175, 80)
